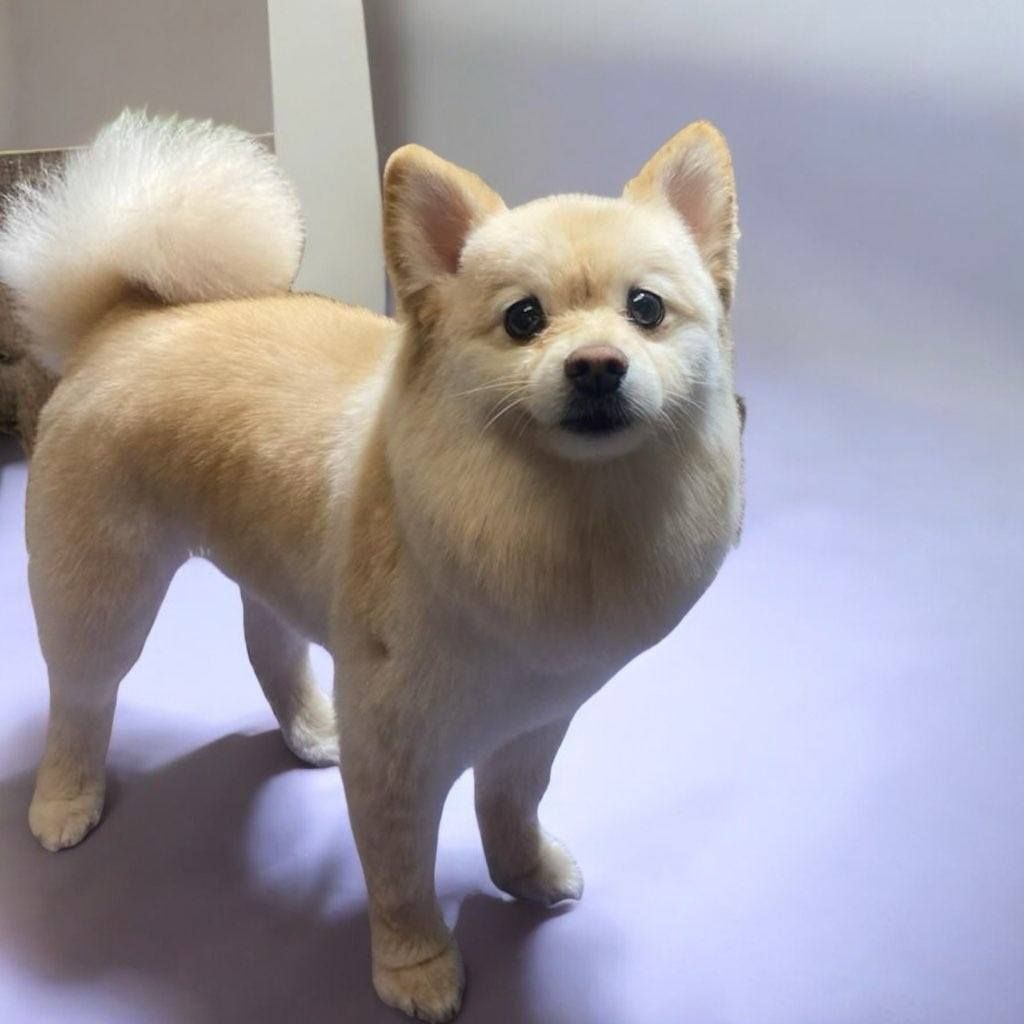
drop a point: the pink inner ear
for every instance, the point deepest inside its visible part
(445, 219)
(692, 188)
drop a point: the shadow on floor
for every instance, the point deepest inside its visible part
(10, 451)
(161, 898)
(11, 455)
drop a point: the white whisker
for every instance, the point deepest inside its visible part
(507, 407)
(507, 383)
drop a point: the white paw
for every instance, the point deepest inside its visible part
(312, 734)
(430, 991)
(320, 749)
(556, 877)
(60, 823)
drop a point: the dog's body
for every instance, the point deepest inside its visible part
(476, 575)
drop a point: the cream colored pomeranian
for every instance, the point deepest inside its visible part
(483, 510)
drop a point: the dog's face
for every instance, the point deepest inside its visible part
(585, 325)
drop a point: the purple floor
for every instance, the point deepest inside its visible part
(805, 807)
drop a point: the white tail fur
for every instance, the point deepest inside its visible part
(188, 210)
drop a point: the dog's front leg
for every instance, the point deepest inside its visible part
(395, 784)
(522, 858)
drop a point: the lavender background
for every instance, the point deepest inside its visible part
(807, 805)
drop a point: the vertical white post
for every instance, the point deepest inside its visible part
(324, 137)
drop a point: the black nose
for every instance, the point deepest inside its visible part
(596, 370)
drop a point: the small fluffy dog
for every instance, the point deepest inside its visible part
(483, 510)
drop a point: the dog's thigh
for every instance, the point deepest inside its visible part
(98, 571)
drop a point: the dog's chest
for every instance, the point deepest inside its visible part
(588, 608)
(581, 591)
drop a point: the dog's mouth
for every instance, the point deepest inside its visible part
(596, 417)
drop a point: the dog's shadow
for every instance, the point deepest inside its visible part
(11, 454)
(161, 896)
(10, 451)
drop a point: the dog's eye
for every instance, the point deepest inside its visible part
(645, 308)
(525, 319)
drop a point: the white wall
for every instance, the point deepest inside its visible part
(7, 73)
(324, 136)
(67, 66)
(79, 62)
(877, 144)
(540, 92)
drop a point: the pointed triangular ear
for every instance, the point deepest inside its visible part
(693, 173)
(430, 207)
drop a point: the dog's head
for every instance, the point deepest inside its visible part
(582, 324)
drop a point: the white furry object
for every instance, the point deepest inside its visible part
(189, 210)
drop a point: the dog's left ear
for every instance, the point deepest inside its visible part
(430, 208)
(693, 173)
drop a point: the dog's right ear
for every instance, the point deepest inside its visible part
(430, 208)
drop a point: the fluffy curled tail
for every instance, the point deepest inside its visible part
(186, 210)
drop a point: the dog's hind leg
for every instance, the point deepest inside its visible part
(280, 658)
(95, 589)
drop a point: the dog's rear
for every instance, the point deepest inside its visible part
(101, 257)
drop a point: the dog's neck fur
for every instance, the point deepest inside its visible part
(605, 555)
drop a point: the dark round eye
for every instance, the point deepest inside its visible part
(645, 308)
(525, 319)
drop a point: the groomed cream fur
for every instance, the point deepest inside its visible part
(415, 495)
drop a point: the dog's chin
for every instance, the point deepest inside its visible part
(596, 435)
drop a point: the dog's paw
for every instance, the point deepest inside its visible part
(430, 991)
(60, 823)
(312, 734)
(319, 749)
(555, 878)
